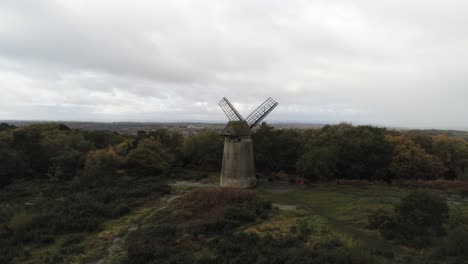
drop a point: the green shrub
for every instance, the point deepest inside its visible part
(455, 245)
(417, 218)
(456, 217)
(120, 210)
(155, 244)
(203, 150)
(100, 166)
(248, 211)
(192, 217)
(149, 158)
(73, 239)
(309, 225)
(219, 210)
(424, 209)
(251, 248)
(21, 222)
(379, 218)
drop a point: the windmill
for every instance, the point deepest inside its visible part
(238, 169)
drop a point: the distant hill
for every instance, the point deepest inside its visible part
(134, 127)
(450, 133)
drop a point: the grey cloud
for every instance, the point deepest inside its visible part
(395, 63)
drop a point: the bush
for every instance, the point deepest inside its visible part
(120, 210)
(100, 166)
(78, 213)
(251, 248)
(13, 164)
(455, 245)
(417, 218)
(204, 150)
(456, 218)
(423, 209)
(379, 218)
(245, 212)
(149, 158)
(219, 210)
(206, 202)
(309, 225)
(155, 244)
(21, 222)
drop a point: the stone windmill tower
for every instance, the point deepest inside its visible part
(238, 169)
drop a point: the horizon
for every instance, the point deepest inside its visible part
(271, 122)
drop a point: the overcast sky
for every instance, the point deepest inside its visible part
(393, 63)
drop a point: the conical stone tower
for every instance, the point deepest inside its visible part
(238, 169)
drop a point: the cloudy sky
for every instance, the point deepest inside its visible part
(393, 63)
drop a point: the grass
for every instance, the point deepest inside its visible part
(343, 208)
(21, 205)
(95, 245)
(346, 209)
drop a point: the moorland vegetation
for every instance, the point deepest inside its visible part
(59, 184)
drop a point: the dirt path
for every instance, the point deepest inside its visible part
(131, 227)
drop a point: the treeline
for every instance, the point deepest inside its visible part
(360, 152)
(56, 152)
(341, 151)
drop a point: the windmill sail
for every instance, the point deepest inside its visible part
(229, 110)
(261, 112)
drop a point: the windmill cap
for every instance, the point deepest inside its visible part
(237, 128)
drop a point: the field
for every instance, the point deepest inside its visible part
(337, 212)
(346, 210)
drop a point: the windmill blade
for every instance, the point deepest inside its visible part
(229, 110)
(261, 112)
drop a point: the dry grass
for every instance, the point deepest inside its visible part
(211, 202)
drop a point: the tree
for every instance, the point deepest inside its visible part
(149, 158)
(320, 163)
(5, 126)
(344, 151)
(423, 140)
(51, 149)
(12, 163)
(27, 140)
(172, 140)
(65, 150)
(276, 150)
(103, 139)
(410, 161)
(453, 153)
(100, 166)
(204, 150)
